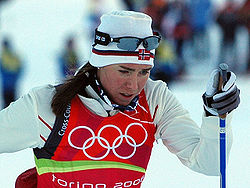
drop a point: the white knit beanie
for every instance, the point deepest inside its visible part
(120, 24)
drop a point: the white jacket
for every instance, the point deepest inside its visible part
(23, 125)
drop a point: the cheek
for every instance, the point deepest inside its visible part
(142, 82)
(112, 85)
(107, 81)
(118, 83)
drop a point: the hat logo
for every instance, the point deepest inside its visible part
(144, 55)
(100, 38)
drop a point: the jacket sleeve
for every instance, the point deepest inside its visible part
(20, 126)
(196, 147)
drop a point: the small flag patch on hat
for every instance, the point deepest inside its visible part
(144, 55)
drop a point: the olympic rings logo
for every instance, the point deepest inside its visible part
(89, 142)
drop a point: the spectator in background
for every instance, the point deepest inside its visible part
(181, 32)
(244, 15)
(228, 22)
(172, 20)
(10, 69)
(136, 5)
(129, 4)
(68, 60)
(200, 18)
(165, 68)
(156, 9)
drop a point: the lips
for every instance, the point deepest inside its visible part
(126, 95)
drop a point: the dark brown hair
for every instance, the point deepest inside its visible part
(71, 87)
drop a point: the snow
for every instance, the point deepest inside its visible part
(38, 29)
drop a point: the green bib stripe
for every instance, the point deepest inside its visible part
(52, 166)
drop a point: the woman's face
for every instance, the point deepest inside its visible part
(122, 82)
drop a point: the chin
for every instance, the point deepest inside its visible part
(123, 103)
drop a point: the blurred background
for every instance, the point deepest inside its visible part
(44, 41)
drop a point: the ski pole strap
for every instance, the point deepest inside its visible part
(55, 136)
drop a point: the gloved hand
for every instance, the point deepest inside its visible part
(219, 102)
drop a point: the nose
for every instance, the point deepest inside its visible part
(132, 83)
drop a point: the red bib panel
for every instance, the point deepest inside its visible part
(100, 152)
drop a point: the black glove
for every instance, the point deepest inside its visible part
(221, 102)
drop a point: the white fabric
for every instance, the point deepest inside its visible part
(105, 60)
(118, 24)
(126, 23)
(196, 147)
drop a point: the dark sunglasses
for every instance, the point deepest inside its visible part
(128, 43)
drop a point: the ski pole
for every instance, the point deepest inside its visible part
(223, 78)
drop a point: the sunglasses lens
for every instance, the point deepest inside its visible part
(129, 44)
(151, 43)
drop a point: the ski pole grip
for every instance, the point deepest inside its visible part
(223, 67)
